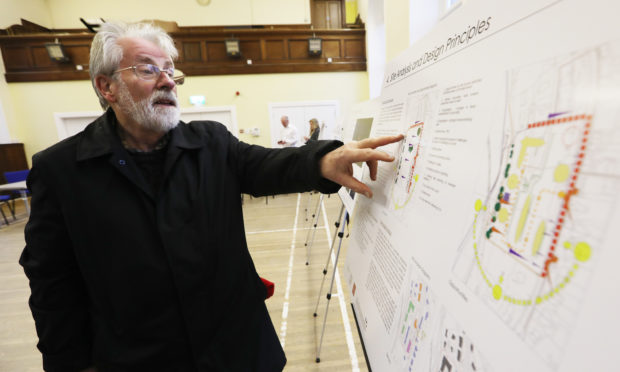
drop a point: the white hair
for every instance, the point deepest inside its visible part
(106, 54)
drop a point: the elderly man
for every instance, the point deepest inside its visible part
(288, 135)
(135, 248)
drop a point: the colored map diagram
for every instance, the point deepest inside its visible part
(406, 175)
(537, 231)
(426, 338)
(413, 328)
(457, 351)
(421, 111)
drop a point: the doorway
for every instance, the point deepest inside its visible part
(328, 14)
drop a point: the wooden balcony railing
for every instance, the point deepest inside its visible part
(202, 51)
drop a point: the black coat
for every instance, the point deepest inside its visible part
(131, 280)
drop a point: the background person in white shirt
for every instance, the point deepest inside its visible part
(288, 136)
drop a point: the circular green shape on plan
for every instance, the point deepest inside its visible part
(478, 205)
(513, 181)
(583, 251)
(497, 292)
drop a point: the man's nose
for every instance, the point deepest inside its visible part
(165, 81)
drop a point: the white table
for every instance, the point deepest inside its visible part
(22, 188)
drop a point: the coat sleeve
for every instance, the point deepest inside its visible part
(265, 171)
(58, 299)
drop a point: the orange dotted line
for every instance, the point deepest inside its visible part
(559, 121)
(417, 152)
(551, 257)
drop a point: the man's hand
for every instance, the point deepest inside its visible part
(337, 166)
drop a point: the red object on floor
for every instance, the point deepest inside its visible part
(269, 286)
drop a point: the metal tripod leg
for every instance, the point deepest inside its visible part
(315, 218)
(331, 286)
(308, 204)
(329, 255)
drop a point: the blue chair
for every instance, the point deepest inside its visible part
(15, 176)
(5, 199)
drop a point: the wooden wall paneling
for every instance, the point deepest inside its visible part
(298, 49)
(40, 57)
(79, 54)
(17, 57)
(331, 49)
(179, 45)
(216, 51)
(203, 51)
(191, 51)
(354, 49)
(263, 49)
(250, 49)
(274, 50)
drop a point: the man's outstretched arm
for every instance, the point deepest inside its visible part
(337, 165)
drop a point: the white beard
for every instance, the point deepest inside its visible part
(154, 117)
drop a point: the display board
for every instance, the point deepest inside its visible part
(356, 125)
(491, 242)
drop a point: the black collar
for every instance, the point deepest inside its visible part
(99, 137)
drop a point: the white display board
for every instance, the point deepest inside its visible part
(356, 125)
(491, 241)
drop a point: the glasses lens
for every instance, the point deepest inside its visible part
(152, 72)
(179, 80)
(170, 72)
(147, 72)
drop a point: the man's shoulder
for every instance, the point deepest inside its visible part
(206, 127)
(62, 148)
(68, 147)
(202, 133)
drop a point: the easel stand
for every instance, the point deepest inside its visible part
(331, 285)
(308, 204)
(315, 219)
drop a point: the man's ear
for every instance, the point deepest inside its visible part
(104, 86)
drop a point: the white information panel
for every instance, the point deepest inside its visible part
(491, 243)
(357, 125)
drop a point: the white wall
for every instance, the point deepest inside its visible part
(67, 13)
(394, 25)
(35, 11)
(375, 46)
(396, 13)
(4, 130)
(423, 15)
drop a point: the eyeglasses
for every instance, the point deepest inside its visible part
(147, 71)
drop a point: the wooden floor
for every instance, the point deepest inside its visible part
(276, 233)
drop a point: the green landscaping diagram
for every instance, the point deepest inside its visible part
(538, 227)
(427, 338)
(421, 111)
